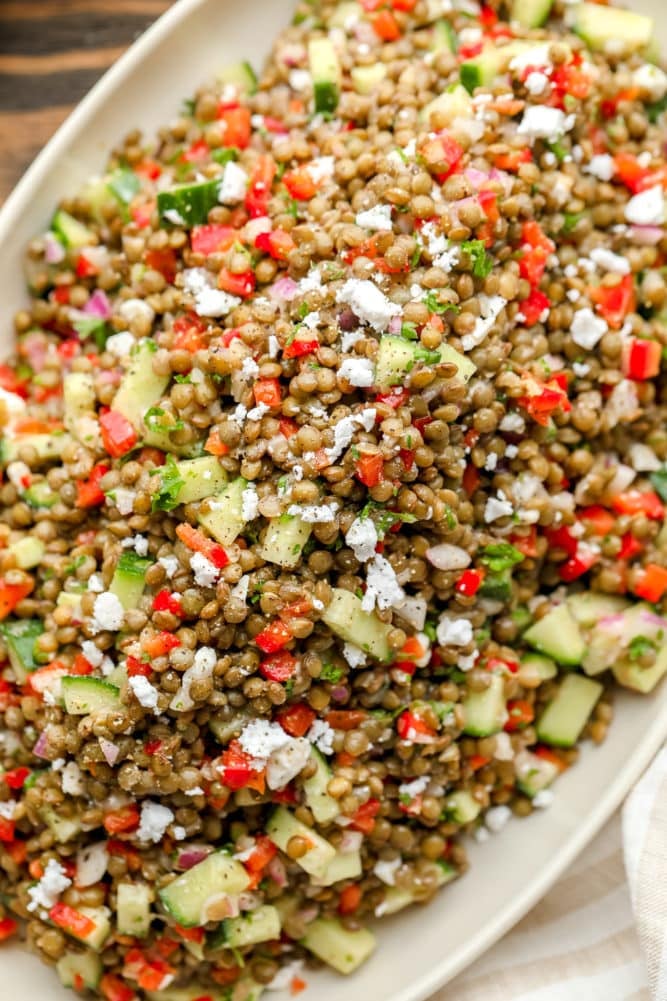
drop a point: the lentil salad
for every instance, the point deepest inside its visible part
(334, 486)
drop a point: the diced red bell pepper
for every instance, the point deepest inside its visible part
(277, 243)
(85, 267)
(652, 583)
(630, 547)
(364, 818)
(160, 644)
(520, 714)
(568, 78)
(88, 492)
(71, 920)
(301, 345)
(349, 899)
(412, 728)
(548, 754)
(163, 261)
(297, 719)
(300, 184)
(188, 333)
(148, 168)
(536, 247)
(198, 152)
(512, 161)
(15, 777)
(287, 427)
(442, 152)
(469, 582)
(242, 284)
(631, 173)
(639, 502)
(614, 302)
(199, 543)
(534, 306)
(386, 26)
(369, 469)
(237, 769)
(262, 854)
(7, 830)
(526, 544)
(118, 435)
(562, 538)
(112, 988)
(279, 666)
(138, 668)
(542, 399)
(212, 238)
(273, 637)
(579, 564)
(12, 594)
(471, 479)
(237, 130)
(258, 195)
(598, 518)
(11, 383)
(8, 927)
(268, 392)
(641, 358)
(346, 719)
(214, 446)
(80, 666)
(165, 601)
(395, 398)
(125, 818)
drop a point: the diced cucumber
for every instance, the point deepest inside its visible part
(20, 636)
(491, 61)
(347, 619)
(365, 79)
(344, 14)
(284, 540)
(641, 679)
(395, 358)
(262, 925)
(118, 676)
(533, 773)
(444, 37)
(325, 71)
(283, 826)
(201, 478)
(455, 103)
(241, 75)
(222, 514)
(531, 13)
(129, 579)
(62, 828)
(244, 989)
(190, 896)
(558, 636)
(46, 446)
(189, 204)
(339, 948)
(80, 970)
(346, 865)
(71, 232)
(566, 715)
(101, 918)
(27, 552)
(485, 712)
(466, 367)
(497, 586)
(40, 494)
(536, 665)
(590, 606)
(462, 808)
(613, 634)
(133, 909)
(140, 388)
(79, 399)
(226, 730)
(322, 806)
(84, 695)
(602, 27)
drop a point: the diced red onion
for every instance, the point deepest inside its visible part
(413, 611)
(476, 177)
(40, 750)
(109, 750)
(340, 693)
(447, 557)
(395, 325)
(277, 872)
(91, 864)
(647, 236)
(284, 289)
(650, 618)
(54, 252)
(432, 390)
(503, 177)
(252, 229)
(622, 479)
(193, 855)
(98, 305)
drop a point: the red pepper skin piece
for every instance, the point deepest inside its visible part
(652, 583)
(273, 637)
(8, 927)
(641, 358)
(364, 819)
(630, 547)
(12, 594)
(521, 714)
(242, 285)
(238, 130)
(164, 601)
(212, 238)
(297, 719)
(469, 582)
(268, 392)
(598, 519)
(579, 564)
(410, 727)
(369, 469)
(88, 492)
(614, 302)
(533, 307)
(118, 435)
(639, 502)
(71, 920)
(278, 666)
(300, 184)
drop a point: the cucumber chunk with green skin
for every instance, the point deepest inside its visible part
(444, 37)
(346, 865)
(189, 204)
(140, 388)
(603, 26)
(20, 637)
(566, 715)
(190, 896)
(339, 948)
(46, 446)
(531, 13)
(462, 808)
(129, 579)
(242, 75)
(397, 899)
(261, 925)
(558, 636)
(466, 367)
(133, 909)
(322, 806)
(326, 74)
(632, 675)
(395, 358)
(222, 514)
(201, 478)
(284, 540)
(347, 619)
(80, 969)
(589, 607)
(225, 730)
(485, 712)
(533, 774)
(84, 695)
(282, 826)
(614, 635)
(71, 232)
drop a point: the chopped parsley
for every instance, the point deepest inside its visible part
(171, 481)
(558, 150)
(428, 357)
(659, 481)
(571, 221)
(640, 645)
(152, 419)
(654, 110)
(92, 327)
(385, 520)
(482, 263)
(500, 556)
(409, 331)
(433, 304)
(331, 673)
(225, 155)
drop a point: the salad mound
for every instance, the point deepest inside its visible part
(334, 479)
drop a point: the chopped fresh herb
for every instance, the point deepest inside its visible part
(450, 519)
(331, 673)
(171, 481)
(416, 254)
(152, 420)
(224, 156)
(430, 630)
(482, 263)
(433, 304)
(188, 108)
(659, 481)
(640, 645)
(571, 221)
(304, 310)
(92, 327)
(75, 564)
(654, 110)
(289, 686)
(124, 184)
(356, 454)
(183, 379)
(404, 799)
(409, 331)
(428, 357)
(257, 593)
(292, 207)
(402, 154)
(558, 150)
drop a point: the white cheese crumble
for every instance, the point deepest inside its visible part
(386, 870)
(610, 261)
(135, 309)
(249, 503)
(601, 166)
(145, 693)
(249, 368)
(123, 499)
(497, 507)
(274, 346)
(240, 590)
(536, 55)
(321, 168)
(496, 817)
(587, 328)
(490, 307)
(300, 79)
(233, 185)
(108, 613)
(202, 668)
(137, 542)
(536, 83)
(345, 428)
(206, 573)
(543, 799)
(454, 632)
(72, 780)
(209, 301)
(511, 451)
(260, 739)
(170, 565)
(647, 208)
(349, 338)
(382, 587)
(155, 819)
(368, 303)
(312, 320)
(580, 369)
(45, 893)
(120, 345)
(358, 372)
(322, 736)
(652, 80)
(514, 423)
(314, 514)
(354, 655)
(414, 788)
(542, 122)
(286, 762)
(377, 218)
(92, 653)
(362, 538)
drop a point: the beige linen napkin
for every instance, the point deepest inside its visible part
(583, 942)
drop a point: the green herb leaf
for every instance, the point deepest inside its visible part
(655, 110)
(572, 219)
(639, 645)
(500, 556)
(433, 304)
(92, 327)
(409, 331)
(331, 673)
(558, 150)
(428, 357)
(225, 155)
(659, 481)
(124, 184)
(482, 263)
(171, 481)
(152, 420)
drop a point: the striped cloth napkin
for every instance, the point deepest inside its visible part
(601, 933)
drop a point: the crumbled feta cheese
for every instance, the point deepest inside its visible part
(587, 328)
(358, 372)
(19, 474)
(201, 668)
(536, 83)
(45, 893)
(314, 514)
(108, 613)
(536, 55)
(490, 307)
(286, 762)
(354, 655)
(573, 294)
(542, 122)
(194, 791)
(609, 261)
(580, 369)
(447, 259)
(180, 834)
(240, 590)
(256, 413)
(386, 870)
(491, 462)
(651, 80)
(382, 587)
(368, 303)
(145, 693)
(137, 542)
(496, 818)
(135, 309)
(233, 185)
(511, 451)
(260, 739)
(72, 780)
(300, 79)
(170, 565)
(414, 788)
(378, 218)
(497, 507)
(503, 750)
(206, 573)
(312, 320)
(312, 282)
(543, 799)
(349, 338)
(344, 431)
(601, 166)
(643, 458)
(123, 499)
(249, 368)
(454, 632)
(92, 653)
(321, 168)
(120, 345)
(155, 819)
(249, 503)
(362, 538)
(647, 208)
(321, 735)
(8, 809)
(274, 346)
(209, 301)
(514, 423)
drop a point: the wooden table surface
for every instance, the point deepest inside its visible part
(51, 53)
